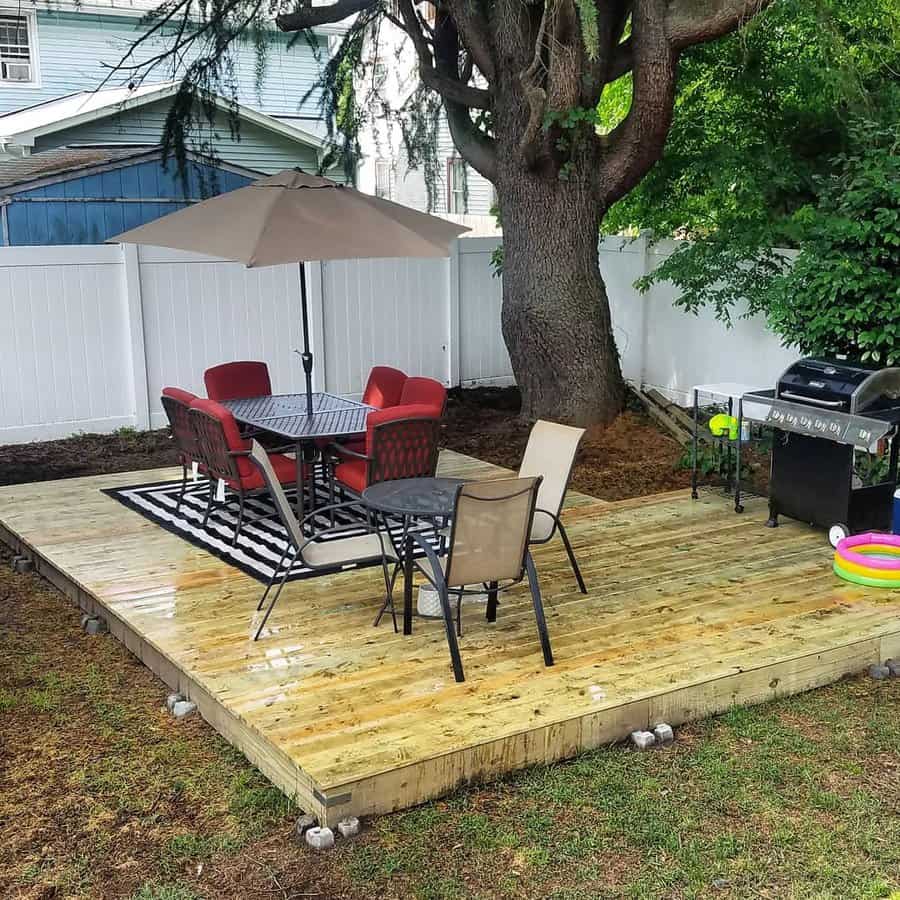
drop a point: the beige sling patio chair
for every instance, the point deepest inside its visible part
(326, 550)
(488, 546)
(551, 453)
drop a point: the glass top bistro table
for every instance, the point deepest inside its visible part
(285, 416)
(412, 498)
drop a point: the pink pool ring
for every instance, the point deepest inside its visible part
(888, 544)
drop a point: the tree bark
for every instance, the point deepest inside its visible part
(556, 320)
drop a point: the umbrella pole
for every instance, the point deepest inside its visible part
(306, 355)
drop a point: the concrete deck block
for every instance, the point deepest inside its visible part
(663, 734)
(95, 625)
(183, 708)
(893, 667)
(879, 672)
(320, 838)
(349, 826)
(171, 700)
(304, 823)
(643, 740)
(22, 564)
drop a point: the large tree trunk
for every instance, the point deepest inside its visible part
(556, 320)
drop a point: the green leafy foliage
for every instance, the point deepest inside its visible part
(783, 138)
(842, 295)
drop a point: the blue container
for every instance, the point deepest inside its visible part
(895, 523)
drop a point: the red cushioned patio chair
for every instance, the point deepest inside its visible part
(419, 391)
(401, 442)
(384, 387)
(237, 380)
(225, 455)
(177, 404)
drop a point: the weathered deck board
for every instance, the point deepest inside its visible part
(691, 609)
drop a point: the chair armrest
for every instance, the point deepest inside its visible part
(341, 450)
(432, 557)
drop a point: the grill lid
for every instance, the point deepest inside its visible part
(837, 384)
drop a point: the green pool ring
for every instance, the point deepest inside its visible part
(722, 424)
(864, 580)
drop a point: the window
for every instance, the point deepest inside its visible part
(456, 185)
(383, 178)
(17, 63)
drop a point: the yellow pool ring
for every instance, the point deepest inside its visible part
(868, 571)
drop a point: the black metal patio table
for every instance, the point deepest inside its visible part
(412, 498)
(286, 416)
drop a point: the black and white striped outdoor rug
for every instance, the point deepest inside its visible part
(260, 544)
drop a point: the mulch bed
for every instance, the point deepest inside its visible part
(630, 458)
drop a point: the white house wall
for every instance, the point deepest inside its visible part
(76, 49)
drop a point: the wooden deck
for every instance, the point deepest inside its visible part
(691, 609)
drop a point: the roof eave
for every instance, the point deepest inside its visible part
(262, 120)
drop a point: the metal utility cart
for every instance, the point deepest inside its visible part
(822, 412)
(731, 394)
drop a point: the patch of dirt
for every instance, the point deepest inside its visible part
(85, 454)
(629, 458)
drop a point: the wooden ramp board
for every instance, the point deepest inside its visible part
(691, 609)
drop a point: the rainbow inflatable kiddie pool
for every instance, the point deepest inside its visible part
(869, 559)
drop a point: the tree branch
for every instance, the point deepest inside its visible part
(475, 147)
(633, 147)
(622, 60)
(312, 16)
(474, 34)
(691, 22)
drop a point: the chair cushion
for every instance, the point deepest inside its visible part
(285, 468)
(352, 474)
(235, 380)
(425, 392)
(182, 396)
(384, 387)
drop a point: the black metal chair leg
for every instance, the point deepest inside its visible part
(571, 554)
(275, 597)
(388, 599)
(209, 501)
(274, 575)
(240, 520)
(538, 610)
(459, 600)
(491, 614)
(451, 634)
(183, 487)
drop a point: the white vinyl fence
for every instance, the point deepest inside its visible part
(89, 335)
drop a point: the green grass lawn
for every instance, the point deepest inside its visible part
(103, 795)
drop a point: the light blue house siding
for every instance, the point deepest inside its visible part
(75, 50)
(70, 210)
(257, 148)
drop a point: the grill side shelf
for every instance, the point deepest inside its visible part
(815, 421)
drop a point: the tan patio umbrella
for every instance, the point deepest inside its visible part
(293, 217)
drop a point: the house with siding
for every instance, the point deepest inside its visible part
(458, 192)
(54, 96)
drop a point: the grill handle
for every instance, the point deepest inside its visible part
(790, 395)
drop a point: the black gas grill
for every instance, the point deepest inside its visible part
(822, 411)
